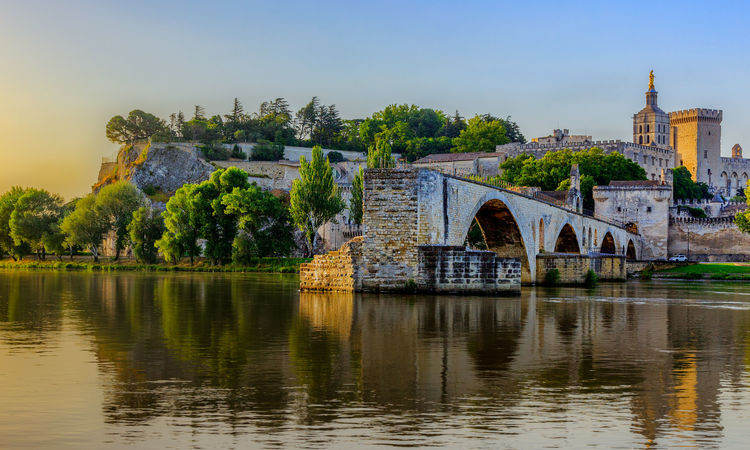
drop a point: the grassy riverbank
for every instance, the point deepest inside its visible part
(708, 271)
(271, 265)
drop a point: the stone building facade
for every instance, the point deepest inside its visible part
(642, 206)
(690, 138)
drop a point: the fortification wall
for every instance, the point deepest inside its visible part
(714, 239)
(652, 158)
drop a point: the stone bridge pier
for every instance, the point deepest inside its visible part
(416, 223)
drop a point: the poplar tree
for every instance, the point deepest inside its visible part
(315, 198)
(356, 202)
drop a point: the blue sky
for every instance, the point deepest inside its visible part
(67, 67)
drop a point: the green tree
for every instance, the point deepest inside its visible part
(118, 202)
(480, 136)
(182, 223)
(685, 188)
(315, 198)
(356, 203)
(144, 230)
(7, 205)
(552, 171)
(380, 157)
(219, 227)
(266, 151)
(34, 219)
(86, 225)
(138, 125)
(263, 223)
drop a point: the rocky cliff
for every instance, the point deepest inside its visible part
(156, 167)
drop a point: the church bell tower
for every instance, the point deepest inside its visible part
(651, 124)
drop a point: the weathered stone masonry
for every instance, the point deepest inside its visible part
(415, 225)
(446, 269)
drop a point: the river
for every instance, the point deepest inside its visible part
(90, 360)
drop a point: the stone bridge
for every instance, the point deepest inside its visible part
(416, 223)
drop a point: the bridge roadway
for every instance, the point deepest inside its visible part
(409, 208)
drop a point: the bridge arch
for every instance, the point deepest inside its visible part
(630, 253)
(608, 244)
(504, 233)
(567, 240)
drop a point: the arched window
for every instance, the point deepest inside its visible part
(648, 138)
(640, 128)
(648, 129)
(640, 139)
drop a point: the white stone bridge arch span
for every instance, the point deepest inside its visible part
(408, 209)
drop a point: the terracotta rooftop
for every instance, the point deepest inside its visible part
(635, 183)
(451, 157)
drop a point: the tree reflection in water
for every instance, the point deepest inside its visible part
(252, 353)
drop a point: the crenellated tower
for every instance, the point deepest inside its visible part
(696, 139)
(651, 124)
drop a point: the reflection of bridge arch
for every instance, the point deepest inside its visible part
(501, 231)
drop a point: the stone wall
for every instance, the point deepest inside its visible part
(389, 252)
(453, 269)
(336, 271)
(647, 207)
(573, 267)
(715, 239)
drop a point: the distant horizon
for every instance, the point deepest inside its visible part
(583, 67)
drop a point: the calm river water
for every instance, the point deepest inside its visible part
(200, 360)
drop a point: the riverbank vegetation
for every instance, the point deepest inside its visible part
(411, 130)
(266, 265)
(225, 219)
(707, 271)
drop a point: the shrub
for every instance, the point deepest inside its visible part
(411, 285)
(696, 212)
(591, 279)
(214, 152)
(335, 157)
(238, 153)
(149, 189)
(267, 151)
(552, 277)
(648, 272)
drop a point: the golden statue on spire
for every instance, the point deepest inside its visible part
(651, 80)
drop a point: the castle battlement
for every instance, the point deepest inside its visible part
(604, 144)
(694, 114)
(705, 220)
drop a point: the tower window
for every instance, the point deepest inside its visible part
(648, 138)
(648, 209)
(647, 128)
(705, 154)
(640, 129)
(640, 139)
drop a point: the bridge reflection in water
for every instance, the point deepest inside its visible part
(651, 363)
